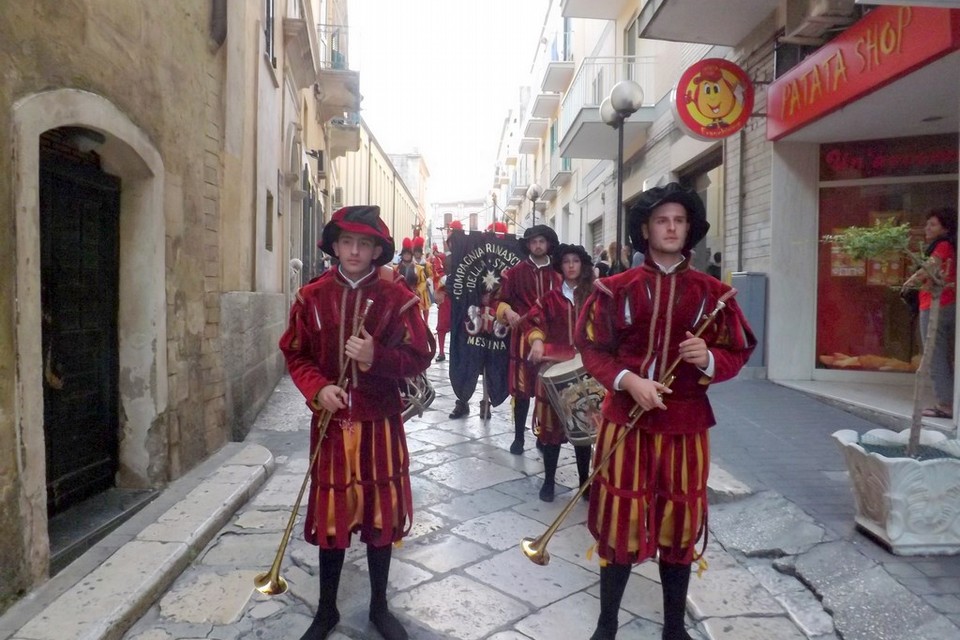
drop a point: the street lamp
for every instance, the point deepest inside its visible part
(624, 100)
(534, 192)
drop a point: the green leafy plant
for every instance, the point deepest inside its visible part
(882, 240)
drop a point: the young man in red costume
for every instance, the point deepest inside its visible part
(634, 325)
(520, 287)
(552, 322)
(360, 482)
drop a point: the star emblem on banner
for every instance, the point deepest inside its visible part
(490, 280)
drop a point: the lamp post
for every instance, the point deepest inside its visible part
(624, 100)
(534, 191)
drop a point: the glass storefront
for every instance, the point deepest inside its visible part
(861, 322)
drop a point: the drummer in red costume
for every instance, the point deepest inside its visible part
(550, 336)
(361, 482)
(634, 325)
(520, 287)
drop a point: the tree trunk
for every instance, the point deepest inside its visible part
(929, 344)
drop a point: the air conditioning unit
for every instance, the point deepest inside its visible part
(811, 22)
(336, 202)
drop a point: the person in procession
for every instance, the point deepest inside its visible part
(425, 280)
(520, 287)
(444, 304)
(414, 274)
(360, 482)
(633, 327)
(552, 321)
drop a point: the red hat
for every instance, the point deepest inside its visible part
(456, 225)
(363, 219)
(497, 227)
(418, 244)
(406, 246)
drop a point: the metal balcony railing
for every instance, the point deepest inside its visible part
(560, 48)
(334, 40)
(348, 119)
(596, 77)
(559, 165)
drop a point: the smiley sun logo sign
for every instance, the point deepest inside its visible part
(713, 99)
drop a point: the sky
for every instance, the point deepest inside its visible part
(438, 76)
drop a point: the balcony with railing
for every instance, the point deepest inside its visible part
(301, 45)
(561, 170)
(343, 133)
(548, 191)
(339, 78)
(704, 22)
(599, 9)
(545, 105)
(558, 71)
(583, 134)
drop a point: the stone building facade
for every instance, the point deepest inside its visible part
(165, 178)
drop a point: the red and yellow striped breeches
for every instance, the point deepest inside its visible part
(651, 496)
(361, 482)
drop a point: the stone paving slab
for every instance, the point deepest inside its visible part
(460, 573)
(459, 607)
(123, 585)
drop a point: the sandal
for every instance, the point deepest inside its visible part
(936, 412)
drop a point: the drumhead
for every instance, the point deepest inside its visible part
(563, 368)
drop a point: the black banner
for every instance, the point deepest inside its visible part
(478, 343)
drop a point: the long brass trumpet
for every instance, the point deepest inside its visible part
(535, 549)
(271, 583)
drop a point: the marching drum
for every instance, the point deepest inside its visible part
(576, 397)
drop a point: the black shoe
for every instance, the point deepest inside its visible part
(460, 410)
(322, 625)
(387, 624)
(516, 448)
(602, 633)
(539, 444)
(441, 358)
(546, 492)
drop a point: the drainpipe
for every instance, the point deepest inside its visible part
(740, 199)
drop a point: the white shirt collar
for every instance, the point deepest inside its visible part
(669, 270)
(567, 291)
(355, 283)
(539, 266)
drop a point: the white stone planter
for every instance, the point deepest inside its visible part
(912, 507)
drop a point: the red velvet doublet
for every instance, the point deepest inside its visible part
(652, 493)
(520, 287)
(360, 481)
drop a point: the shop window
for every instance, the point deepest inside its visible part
(861, 322)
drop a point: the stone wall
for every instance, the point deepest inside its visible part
(154, 63)
(250, 328)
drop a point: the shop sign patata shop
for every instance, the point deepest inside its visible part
(889, 42)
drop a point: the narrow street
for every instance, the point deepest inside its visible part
(784, 559)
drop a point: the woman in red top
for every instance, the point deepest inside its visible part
(940, 232)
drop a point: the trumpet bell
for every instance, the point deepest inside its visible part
(535, 551)
(269, 584)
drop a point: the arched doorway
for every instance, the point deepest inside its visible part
(141, 311)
